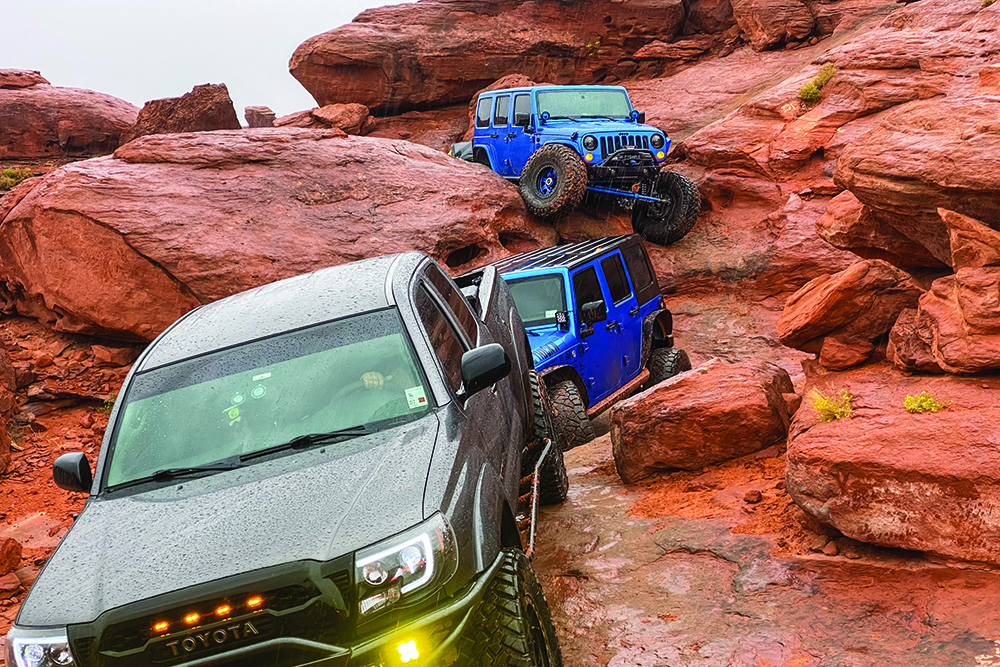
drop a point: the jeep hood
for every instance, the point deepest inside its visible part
(312, 505)
(591, 126)
(548, 343)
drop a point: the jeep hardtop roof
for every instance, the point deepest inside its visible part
(563, 257)
(528, 89)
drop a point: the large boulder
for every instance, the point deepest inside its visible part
(207, 107)
(8, 385)
(439, 52)
(10, 555)
(929, 482)
(841, 316)
(39, 121)
(351, 118)
(713, 413)
(769, 23)
(123, 245)
(259, 116)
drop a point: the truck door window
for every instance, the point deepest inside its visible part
(447, 346)
(483, 112)
(641, 272)
(500, 115)
(459, 307)
(586, 288)
(614, 273)
(522, 110)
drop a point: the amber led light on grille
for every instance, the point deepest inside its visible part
(223, 610)
(161, 626)
(255, 602)
(191, 619)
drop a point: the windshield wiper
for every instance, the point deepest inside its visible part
(310, 440)
(604, 117)
(167, 474)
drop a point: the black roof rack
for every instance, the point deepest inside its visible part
(561, 256)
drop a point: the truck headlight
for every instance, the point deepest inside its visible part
(656, 141)
(590, 142)
(38, 648)
(406, 567)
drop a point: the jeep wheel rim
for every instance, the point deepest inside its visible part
(547, 181)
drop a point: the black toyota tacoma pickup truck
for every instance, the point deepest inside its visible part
(322, 471)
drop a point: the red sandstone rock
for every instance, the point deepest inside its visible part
(440, 52)
(856, 306)
(840, 353)
(910, 344)
(347, 117)
(771, 22)
(259, 116)
(928, 481)
(850, 225)
(973, 244)
(207, 107)
(5, 456)
(10, 555)
(709, 16)
(48, 121)
(122, 246)
(9, 586)
(20, 78)
(714, 413)
(989, 79)
(114, 356)
(437, 128)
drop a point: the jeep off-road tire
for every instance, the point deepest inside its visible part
(666, 223)
(553, 181)
(569, 416)
(512, 625)
(664, 363)
(553, 483)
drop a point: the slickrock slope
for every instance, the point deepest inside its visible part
(121, 246)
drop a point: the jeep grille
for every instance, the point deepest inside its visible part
(610, 144)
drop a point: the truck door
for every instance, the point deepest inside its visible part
(520, 146)
(500, 135)
(600, 358)
(623, 317)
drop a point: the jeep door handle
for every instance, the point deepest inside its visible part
(634, 311)
(494, 135)
(511, 135)
(613, 326)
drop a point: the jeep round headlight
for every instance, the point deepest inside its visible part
(590, 142)
(38, 648)
(656, 141)
(405, 567)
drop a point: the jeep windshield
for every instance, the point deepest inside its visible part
(539, 298)
(584, 103)
(229, 408)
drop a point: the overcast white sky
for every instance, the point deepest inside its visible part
(141, 50)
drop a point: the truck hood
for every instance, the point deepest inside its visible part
(313, 505)
(548, 343)
(567, 127)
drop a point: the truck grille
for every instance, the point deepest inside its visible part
(610, 144)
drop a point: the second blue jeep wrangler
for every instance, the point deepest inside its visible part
(559, 142)
(596, 325)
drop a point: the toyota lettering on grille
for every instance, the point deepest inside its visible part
(211, 638)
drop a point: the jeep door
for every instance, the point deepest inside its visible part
(520, 144)
(624, 321)
(599, 355)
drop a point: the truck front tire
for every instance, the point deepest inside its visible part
(513, 624)
(666, 223)
(553, 181)
(569, 416)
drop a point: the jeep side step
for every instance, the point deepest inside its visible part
(624, 391)
(531, 499)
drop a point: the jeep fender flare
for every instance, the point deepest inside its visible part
(484, 155)
(556, 374)
(657, 332)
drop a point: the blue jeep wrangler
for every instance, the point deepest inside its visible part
(596, 326)
(559, 142)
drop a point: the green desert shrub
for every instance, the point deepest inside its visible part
(810, 91)
(11, 177)
(923, 402)
(831, 408)
(987, 3)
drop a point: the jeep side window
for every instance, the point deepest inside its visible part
(483, 112)
(500, 115)
(641, 273)
(614, 273)
(522, 110)
(447, 347)
(464, 318)
(586, 288)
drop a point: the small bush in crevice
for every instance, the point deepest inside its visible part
(987, 3)
(11, 177)
(811, 91)
(831, 408)
(923, 402)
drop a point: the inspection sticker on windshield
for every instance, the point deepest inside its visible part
(416, 397)
(257, 378)
(550, 313)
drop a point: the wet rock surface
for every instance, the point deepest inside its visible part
(628, 588)
(206, 107)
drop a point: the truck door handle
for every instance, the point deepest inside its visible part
(612, 325)
(634, 311)
(511, 135)
(494, 135)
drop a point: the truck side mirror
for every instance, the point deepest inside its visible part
(72, 472)
(522, 119)
(593, 312)
(529, 130)
(483, 366)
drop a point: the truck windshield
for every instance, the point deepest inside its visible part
(354, 371)
(539, 298)
(584, 103)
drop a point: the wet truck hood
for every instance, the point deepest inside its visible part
(548, 343)
(309, 505)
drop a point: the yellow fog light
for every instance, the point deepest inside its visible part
(588, 157)
(408, 651)
(660, 155)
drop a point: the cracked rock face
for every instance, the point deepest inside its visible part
(122, 246)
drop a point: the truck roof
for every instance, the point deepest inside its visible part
(526, 89)
(562, 256)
